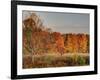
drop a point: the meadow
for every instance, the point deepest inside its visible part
(55, 60)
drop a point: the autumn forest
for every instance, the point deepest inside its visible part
(43, 47)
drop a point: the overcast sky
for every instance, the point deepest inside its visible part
(63, 22)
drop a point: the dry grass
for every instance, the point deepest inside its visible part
(55, 60)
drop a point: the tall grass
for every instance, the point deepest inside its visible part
(55, 61)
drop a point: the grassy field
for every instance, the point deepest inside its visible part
(55, 60)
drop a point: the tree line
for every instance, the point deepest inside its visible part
(37, 39)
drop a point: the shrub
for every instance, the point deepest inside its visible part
(81, 60)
